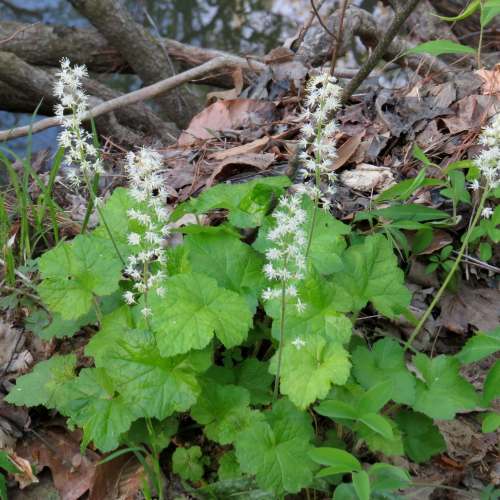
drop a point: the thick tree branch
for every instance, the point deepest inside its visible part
(38, 84)
(359, 22)
(401, 16)
(134, 97)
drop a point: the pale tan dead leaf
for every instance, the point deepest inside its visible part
(368, 178)
(289, 41)
(253, 147)
(237, 163)
(491, 79)
(279, 55)
(229, 94)
(346, 151)
(229, 114)
(118, 478)
(477, 308)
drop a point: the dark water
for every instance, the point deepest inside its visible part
(239, 26)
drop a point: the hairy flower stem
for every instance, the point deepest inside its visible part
(145, 270)
(453, 269)
(97, 310)
(110, 234)
(93, 197)
(318, 185)
(282, 338)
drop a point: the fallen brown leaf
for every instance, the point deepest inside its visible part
(253, 147)
(229, 114)
(118, 478)
(229, 94)
(478, 308)
(491, 79)
(72, 484)
(241, 162)
(346, 151)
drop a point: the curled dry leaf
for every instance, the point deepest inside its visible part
(229, 94)
(229, 114)
(240, 163)
(345, 151)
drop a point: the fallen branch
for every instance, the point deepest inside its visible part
(133, 97)
(20, 30)
(307, 24)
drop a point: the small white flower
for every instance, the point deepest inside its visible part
(146, 312)
(487, 212)
(161, 291)
(301, 307)
(298, 343)
(474, 185)
(129, 298)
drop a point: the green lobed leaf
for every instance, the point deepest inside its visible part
(119, 224)
(277, 456)
(320, 316)
(178, 261)
(91, 402)
(438, 47)
(41, 386)
(234, 265)
(421, 437)
(387, 445)
(158, 385)
(186, 463)
(307, 373)
(163, 431)
(284, 409)
(248, 203)
(114, 327)
(444, 390)
(328, 241)
(480, 346)
(254, 376)
(193, 309)
(385, 362)
(371, 274)
(74, 272)
(229, 466)
(224, 410)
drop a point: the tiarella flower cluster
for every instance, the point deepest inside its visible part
(147, 189)
(287, 258)
(488, 162)
(80, 150)
(318, 149)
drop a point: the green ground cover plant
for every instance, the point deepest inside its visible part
(254, 338)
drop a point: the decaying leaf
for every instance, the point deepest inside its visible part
(237, 163)
(229, 94)
(368, 178)
(478, 308)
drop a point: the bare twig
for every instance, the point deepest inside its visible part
(135, 97)
(22, 30)
(307, 24)
(321, 20)
(343, 6)
(401, 16)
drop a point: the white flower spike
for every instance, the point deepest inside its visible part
(298, 343)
